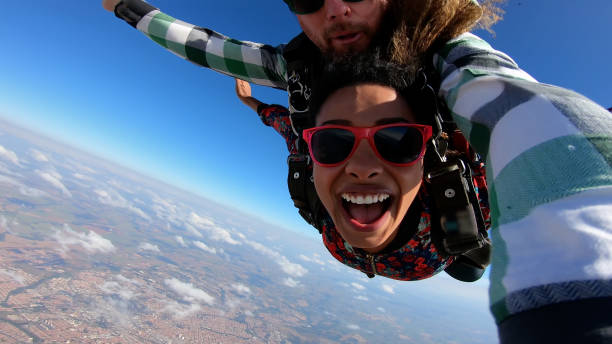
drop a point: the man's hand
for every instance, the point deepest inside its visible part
(243, 89)
(110, 5)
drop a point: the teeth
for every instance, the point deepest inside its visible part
(367, 199)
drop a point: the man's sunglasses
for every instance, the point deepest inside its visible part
(308, 6)
(398, 144)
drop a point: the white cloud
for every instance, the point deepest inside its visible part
(292, 269)
(216, 233)
(219, 234)
(23, 189)
(114, 199)
(380, 309)
(113, 287)
(352, 327)
(388, 288)
(180, 240)
(316, 258)
(362, 298)
(357, 286)
(164, 209)
(13, 275)
(188, 292)
(54, 178)
(193, 231)
(180, 311)
(31, 192)
(114, 310)
(290, 282)
(241, 288)
(124, 279)
(9, 155)
(200, 221)
(204, 247)
(81, 176)
(145, 246)
(38, 155)
(4, 224)
(92, 242)
(232, 303)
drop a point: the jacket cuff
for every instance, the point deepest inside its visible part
(133, 10)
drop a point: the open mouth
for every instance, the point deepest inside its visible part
(366, 208)
(348, 38)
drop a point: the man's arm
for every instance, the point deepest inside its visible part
(549, 155)
(257, 63)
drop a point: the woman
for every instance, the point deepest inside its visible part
(381, 224)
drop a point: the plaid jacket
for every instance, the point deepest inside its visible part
(548, 153)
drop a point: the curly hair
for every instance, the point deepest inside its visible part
(373, 68)
(419, 26)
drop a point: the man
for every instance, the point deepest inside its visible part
(547, 149)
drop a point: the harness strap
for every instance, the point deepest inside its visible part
(299, 54)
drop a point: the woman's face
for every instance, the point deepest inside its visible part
(368, 226)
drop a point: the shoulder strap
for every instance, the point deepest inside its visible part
(300, 54)
(458, 226)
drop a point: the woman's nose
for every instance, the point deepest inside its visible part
(363, 164)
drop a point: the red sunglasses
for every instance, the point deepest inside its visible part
(399, 144)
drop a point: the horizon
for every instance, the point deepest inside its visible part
(108, 89)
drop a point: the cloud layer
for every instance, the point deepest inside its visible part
(92, 242)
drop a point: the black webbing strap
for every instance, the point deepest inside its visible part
(299, 55)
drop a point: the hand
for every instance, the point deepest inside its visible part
(110, 5)
(243, 89)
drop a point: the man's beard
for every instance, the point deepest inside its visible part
(380, 42)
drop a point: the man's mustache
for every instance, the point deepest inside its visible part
(337, 28)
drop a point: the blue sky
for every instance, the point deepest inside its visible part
(73, 71)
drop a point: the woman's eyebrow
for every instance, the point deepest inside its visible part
(382, 121)
(337, 122)
(391, 120)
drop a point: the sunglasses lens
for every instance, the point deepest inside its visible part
(309, 6)
(331, 146)
(400, 145)
(306, 6)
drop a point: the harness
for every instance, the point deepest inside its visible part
(458, 227)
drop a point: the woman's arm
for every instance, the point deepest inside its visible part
(243, 91)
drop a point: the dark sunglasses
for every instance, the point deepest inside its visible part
(399, 144)
(308, 6)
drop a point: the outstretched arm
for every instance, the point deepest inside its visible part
(548, 154)
(243, 91)
(257, 63)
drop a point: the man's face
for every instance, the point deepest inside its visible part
(340, 27)
(370, 226)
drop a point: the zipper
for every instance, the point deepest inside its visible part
(370, 258)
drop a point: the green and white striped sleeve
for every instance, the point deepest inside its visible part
(549, 155)
(256, 63)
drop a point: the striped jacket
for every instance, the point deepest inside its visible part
(548, 153)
